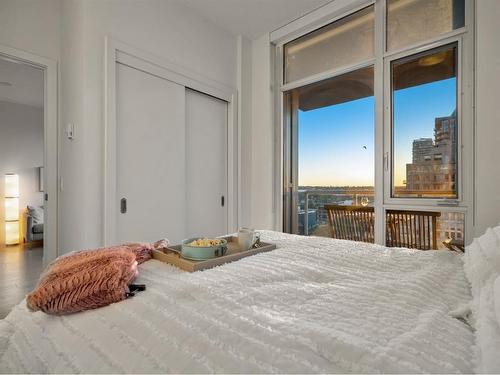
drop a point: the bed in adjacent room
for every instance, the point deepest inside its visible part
(314, 305)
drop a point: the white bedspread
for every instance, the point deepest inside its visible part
(313, 305)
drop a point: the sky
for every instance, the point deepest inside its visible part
(336, 143)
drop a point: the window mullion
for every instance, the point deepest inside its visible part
(379, 121)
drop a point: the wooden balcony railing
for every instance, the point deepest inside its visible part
(411, 229)
(354, 223)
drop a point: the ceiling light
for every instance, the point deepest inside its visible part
(434, 59)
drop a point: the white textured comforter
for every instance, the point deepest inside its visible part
(313, 305)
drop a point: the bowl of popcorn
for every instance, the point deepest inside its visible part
(203, 248)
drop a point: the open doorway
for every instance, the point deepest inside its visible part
(331, 156)
(28, 172)
(22, 149)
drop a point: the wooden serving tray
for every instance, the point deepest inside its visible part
(172, 255)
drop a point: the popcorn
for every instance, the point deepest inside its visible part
(205, 242)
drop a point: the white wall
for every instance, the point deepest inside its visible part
(72, 153)
(487, 115)
(31, 25)
(244, 79)
(262, 150)
(72, 33)
(163, 28)
(21, 147)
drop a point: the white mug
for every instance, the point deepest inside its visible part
(247, 238)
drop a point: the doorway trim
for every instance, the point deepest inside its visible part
(51, 145)
(117, 51)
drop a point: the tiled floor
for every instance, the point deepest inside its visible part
(19, 271)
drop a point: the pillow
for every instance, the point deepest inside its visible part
(36, 213)
(84, 280)
(142, 251)
(496, 298)
(482, 258)
(485, 307)
(482, 268)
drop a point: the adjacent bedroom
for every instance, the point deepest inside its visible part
(249, 186)
(21, 179)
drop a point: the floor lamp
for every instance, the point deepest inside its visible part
(11, 209)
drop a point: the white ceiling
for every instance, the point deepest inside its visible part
(27, 83)
(253, 18)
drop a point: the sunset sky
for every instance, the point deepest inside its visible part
(332, 139)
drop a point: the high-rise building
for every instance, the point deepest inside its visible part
(422, 149)
(433, 166)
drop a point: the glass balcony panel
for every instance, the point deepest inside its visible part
(318, 223)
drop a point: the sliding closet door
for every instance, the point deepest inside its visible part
(206, 160)
(150, 157)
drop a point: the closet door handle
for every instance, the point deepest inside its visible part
(123, 205)
(222, 201)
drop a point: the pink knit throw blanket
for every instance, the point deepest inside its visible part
(88, 279)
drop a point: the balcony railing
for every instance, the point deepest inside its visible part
(357, 196)
(448, 227)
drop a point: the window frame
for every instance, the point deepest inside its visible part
(464, 37)
(347, 67)
(460, 30)
(289, 133)
(389, 129)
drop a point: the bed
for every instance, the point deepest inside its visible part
(312, 305)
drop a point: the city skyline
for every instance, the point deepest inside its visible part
(336, 143)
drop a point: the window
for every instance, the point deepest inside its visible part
(318, 51)
(410, 21)
(333, 146)
(402, 91)
(424, 124)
